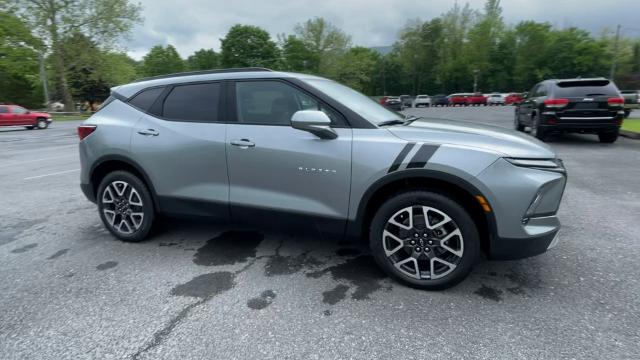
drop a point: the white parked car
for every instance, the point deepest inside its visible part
(495, 99)
(422, 100)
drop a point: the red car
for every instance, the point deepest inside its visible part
(513, 98)
(476, 99)
(458, 99)
(14, 115)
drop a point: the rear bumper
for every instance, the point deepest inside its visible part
(553, 122)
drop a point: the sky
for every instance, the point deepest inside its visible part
(191, 25)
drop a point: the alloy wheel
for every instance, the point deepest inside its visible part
(423, 242)
(122, 207)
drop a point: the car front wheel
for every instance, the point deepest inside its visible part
(424, 239)
(125, 206)
(42, 124)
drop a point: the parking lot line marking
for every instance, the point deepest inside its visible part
(51, 174)
(36, 160)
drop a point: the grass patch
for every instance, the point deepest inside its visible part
(69, 117)
(631, 125)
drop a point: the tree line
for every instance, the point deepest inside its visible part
(76, 42)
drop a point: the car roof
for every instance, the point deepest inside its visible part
(130, 89)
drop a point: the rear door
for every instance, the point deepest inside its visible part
(180, 143)
(277, 172)
(526, 107)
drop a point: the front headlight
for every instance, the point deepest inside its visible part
(536, 163)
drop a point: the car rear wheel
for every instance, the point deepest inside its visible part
(424, 239)
(125, 206)
(536, 131)
(608, 137)
(516, 122)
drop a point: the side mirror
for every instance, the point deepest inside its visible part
(315, 122)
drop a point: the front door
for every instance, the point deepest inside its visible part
(278, 172)
(20, 116)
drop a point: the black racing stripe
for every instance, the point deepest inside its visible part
(422, 156)
(400, 157)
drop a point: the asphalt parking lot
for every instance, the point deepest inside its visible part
(69, 290)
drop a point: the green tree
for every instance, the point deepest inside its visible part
(530, 53)
(19, 81)
(203, 59)
(325, 41)
(296, 56)
(246, 46)
(91, 71)
(103, 21)
(161, 61)
(483, 42)
(355, 69)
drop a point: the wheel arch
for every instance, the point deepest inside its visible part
(453, 186)
(111, 163)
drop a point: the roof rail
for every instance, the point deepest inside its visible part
(203, 72)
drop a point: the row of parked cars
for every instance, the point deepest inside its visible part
(458, 99)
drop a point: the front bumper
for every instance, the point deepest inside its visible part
(513, 249)
(524, 202)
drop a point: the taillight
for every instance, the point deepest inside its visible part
(85, 130)
(556, 103)
(615, 101)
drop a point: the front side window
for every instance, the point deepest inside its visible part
(273, 103)
(193, 102)
(19, 110)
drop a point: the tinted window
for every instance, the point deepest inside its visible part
(195, 102)
(4, 109)
(273, 103)
(583, 88)
(145, 99)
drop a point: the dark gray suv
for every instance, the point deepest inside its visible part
(253, 145)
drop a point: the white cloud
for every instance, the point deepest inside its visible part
(194, 24)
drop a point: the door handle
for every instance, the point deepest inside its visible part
(149, 132)
(243, 143)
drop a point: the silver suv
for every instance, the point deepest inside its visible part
(256, 146)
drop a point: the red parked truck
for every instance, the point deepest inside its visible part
(14, 115)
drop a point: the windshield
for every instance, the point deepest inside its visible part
(359, 103)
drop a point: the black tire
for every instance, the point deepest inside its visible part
(147, 208)
(608, 137)
(516, 122)
(459, 217)
(41, 124)
(536, 131)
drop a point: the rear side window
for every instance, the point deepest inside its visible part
(4, 109)
(194, 102)
(146, 98)
(583, 88)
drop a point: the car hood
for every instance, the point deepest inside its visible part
(467, 134)
(40, 114)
